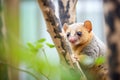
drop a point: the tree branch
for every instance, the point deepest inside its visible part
(67, 14)
(67, 11)
(54, 28)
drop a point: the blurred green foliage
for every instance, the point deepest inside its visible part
(35, 59)
(35, 62)
(0, 5)
(39, 44)
(100, 60)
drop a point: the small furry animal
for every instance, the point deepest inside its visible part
(86, 47)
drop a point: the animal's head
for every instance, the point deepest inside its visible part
(78, 33)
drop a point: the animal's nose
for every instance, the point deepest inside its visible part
(72, 39)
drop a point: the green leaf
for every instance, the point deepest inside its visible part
(100, 60)
(30, 45)
(39, 45)
(50, 45)
(42, 40)
(34, 50)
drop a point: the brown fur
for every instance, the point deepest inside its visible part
(84, 39)
(81, 42)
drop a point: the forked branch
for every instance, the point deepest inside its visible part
(54, 28)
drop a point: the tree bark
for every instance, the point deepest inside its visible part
(67, 11)
(3, 68)
(54, 28)
(112, 18)
(67, 14)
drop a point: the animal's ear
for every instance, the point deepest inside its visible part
(65, 27)
(88, 25)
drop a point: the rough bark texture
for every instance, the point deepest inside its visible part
(67, 11)
(67, 14)
(112, 18)
(53, 27)
(3, 68)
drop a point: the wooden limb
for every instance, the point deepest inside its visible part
(67, 14)
(112, 18)
(54, 28)
(67, 11)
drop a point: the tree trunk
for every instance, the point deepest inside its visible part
(3, 68)
(67, 14)
(112, 18)
(67, 11)
(54, 28)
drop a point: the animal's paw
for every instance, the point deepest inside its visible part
(75, 58)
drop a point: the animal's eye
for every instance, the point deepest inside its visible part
(79, 33)
(68, 34)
